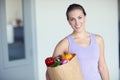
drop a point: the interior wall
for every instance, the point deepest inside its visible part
(52, 26)
(13, 10)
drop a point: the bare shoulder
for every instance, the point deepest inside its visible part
(63, 42)
(61, 47)
(99, 39)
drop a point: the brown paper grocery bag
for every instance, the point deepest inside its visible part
(68, 71)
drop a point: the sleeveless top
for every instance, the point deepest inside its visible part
(87, 56)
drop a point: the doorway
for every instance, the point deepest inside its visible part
(16, 51)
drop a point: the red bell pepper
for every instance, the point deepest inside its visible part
(49, 61)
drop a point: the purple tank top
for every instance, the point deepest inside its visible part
(88, 57)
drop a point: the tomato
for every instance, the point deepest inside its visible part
(49, 61)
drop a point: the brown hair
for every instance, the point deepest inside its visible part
(73, 7)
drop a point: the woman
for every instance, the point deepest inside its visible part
(88, 47)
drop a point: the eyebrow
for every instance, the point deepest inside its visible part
(78, 16)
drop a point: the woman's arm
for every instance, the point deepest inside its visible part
(47, 76)
(61, 47)
(102, 64)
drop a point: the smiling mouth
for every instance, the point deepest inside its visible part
(77, 27)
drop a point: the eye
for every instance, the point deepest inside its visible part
(79, 17)
(72, 19)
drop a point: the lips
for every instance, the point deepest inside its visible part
(77, 27)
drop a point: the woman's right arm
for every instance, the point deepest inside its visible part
(47, 75)
(61, 47)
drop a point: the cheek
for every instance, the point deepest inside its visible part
(82, 21)
(71, 23)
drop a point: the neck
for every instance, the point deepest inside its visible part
(81, 34)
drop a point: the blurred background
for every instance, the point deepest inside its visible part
(119, 33)
(30, 30)
(16, 50)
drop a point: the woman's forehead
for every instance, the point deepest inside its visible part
(75, 12)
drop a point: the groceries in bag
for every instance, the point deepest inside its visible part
(59, 60)
(64, 67)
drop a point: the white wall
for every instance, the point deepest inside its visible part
(52, 26)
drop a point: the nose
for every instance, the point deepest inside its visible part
(76, 22)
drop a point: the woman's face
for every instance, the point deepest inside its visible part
(77, 20)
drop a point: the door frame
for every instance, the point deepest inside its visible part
(34, 38)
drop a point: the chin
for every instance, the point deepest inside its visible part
(77, 31)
